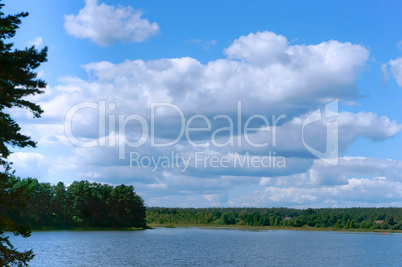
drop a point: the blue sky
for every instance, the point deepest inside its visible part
(276, 57)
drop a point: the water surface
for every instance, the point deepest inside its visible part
(212, 247)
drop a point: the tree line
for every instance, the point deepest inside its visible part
(349, 218)
(79, 205)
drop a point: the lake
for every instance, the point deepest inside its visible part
(212, 247)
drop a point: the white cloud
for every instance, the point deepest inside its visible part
(28, 164)
(260, 49)
(356, 192)
(322, 174)
(311, 76)
(105, 24)
(396, 69)
(37, 42)
(357, 181)
(351, 126)
(268, 48)
(262, 70)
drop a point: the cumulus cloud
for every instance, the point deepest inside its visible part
(322, 174)
(289, 135)
(269, 76)
(356, 192)
(260, 48)
(104, 24)
(356, 181)
(311, 76)
(396, 69)
(268, 48)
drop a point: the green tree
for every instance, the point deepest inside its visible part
(17, 80)
(59, 205)
(350, 224)
(126, 207)
(390, 220)
(207, 217)
(80, 196)
(229, 218)
(14, 196)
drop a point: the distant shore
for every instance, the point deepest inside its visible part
(247, 227)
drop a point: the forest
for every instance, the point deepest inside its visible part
(80, 205)
(87, 205)
(346, 218)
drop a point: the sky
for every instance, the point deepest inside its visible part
(219, 103)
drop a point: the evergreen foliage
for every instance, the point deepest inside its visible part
(81, 205)
(348, 218)
(17, 80)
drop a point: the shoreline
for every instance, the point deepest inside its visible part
(236, 227)
(288, 228)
